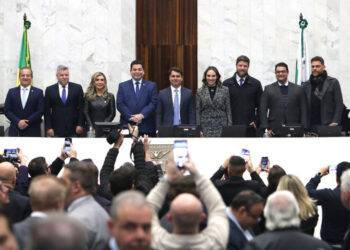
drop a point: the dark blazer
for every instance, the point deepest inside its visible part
(236, 240)
(33, 111)
(230, 187)
(331, 101)
(244, 100)
(335, 217)
(212, 115)
(145, 104)
(165, 107)
(273, 113)
(63, 118)
(19, 206)
(286, 239)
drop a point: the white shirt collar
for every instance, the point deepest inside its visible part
(38, 214)
(280, 84)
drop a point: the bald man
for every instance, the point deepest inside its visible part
(19, 205)
(186, 213)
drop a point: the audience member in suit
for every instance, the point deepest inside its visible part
(245, 92)
(324, 96)
(307, 206)
(24, 106)
(99, 104)
(8, 240)
(80, 182)
(137, 100)
(19, 206)
(233, 183)
(64, 103)
(176, 103)
(58, 232)
(282, 103)
(130, 208)
(282, 219)
(335, 217)
(244, 211)
(213, 110)
(345, 198)
(47, 195)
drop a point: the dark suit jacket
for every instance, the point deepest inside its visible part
(244, 100)
(236, 240)
(165, 107)
(295, 112)
(64, 118)
(22, 230)
(230, 187)
(331, 101)
(286, 239)
(19, 206)
(33, 111)
(145, 104)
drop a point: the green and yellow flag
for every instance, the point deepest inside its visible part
(24, 57)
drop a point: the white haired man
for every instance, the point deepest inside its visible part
(282, 219)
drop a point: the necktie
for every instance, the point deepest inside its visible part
(24, 97)
(137, 89)
(176, 108)
(64, 97)
(241, 82)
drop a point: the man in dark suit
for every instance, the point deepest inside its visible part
(282, 103)
(18, 206)
(234, 168)
(324, 96)
(64, 103)
(47, 195)
(245, 92)
(137, 100)
(24, 106)
(244, 211)
(176, 103)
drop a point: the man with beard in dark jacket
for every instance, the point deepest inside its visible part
(324, 96)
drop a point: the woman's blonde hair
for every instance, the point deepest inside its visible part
(292, 183)
(91, 91)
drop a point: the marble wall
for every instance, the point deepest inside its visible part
(267, 31)
(99, 35)
(86, 35)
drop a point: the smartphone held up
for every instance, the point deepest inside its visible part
(180, 153)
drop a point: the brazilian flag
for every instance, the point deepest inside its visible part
(24, 57)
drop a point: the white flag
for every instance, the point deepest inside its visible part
(302, 69)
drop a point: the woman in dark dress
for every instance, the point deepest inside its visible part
(99, 105)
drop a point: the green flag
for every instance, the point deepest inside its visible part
(24, 56)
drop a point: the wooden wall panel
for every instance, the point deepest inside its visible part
(166, 36)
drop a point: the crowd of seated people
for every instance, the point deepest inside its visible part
(62, 205)
(314, 108)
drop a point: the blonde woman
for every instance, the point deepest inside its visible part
(99, 105)
(307, 206)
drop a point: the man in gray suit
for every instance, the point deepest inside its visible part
(80, 181)
(324, 96)
(282, 103)
(47, 195)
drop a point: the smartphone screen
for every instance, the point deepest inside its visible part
(11, 153)
(67, 144)
(264, 163)
(125, 131)
(245, 153)
(180, 153)
(333, 168)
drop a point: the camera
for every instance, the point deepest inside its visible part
(113, 136)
